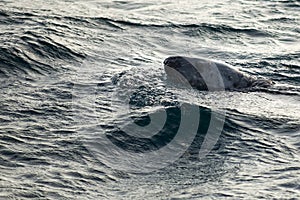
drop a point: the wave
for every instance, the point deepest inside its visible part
(222, 28)
(288, 56)
(33, 53)
(26, 48)
(256, 134)
(44, 46)
(211, 28)
(14, 61)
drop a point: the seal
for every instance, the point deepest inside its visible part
(205, 74)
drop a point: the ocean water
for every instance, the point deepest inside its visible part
(86, 111)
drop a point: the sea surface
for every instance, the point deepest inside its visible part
(86, 110)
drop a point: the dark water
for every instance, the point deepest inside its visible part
(81, 81)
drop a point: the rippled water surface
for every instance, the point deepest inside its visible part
(82, 83)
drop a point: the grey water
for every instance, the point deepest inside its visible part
(86, 111)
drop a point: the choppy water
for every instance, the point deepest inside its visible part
(74, 74)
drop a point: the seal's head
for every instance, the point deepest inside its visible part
(181, 70)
